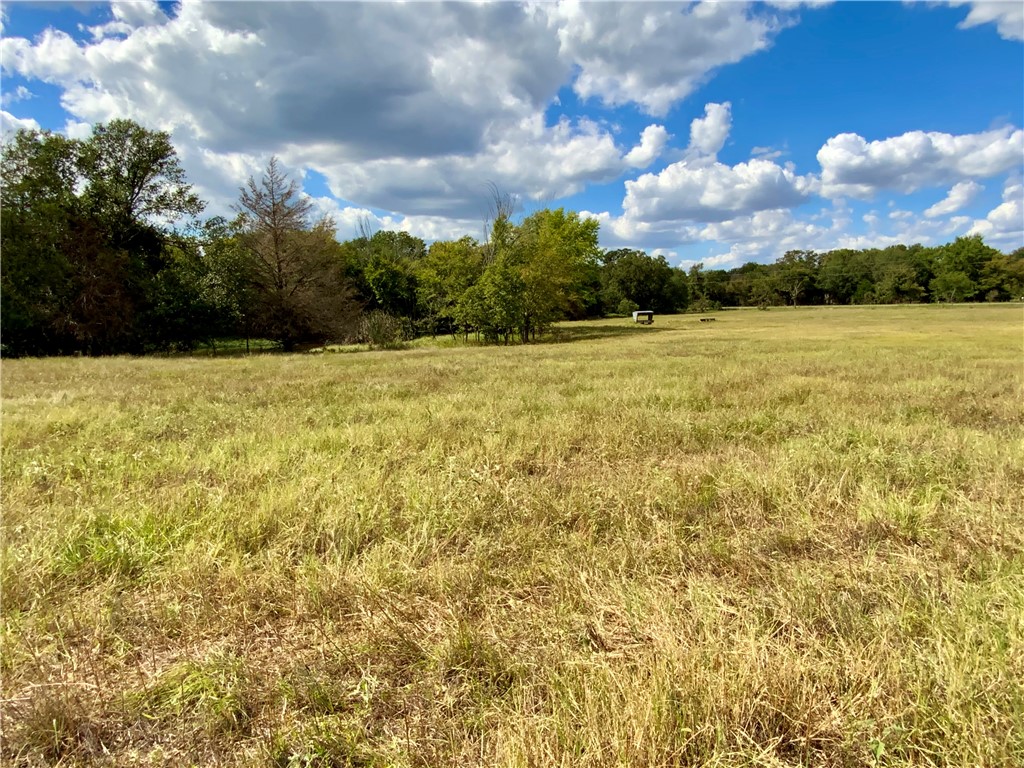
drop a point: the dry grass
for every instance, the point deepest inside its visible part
(784, 538)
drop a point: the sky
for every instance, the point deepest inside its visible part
(719, 133)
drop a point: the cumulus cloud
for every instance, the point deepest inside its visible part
(708, 133)
(10, 124)
(538, 161)
(652, 142)
(959, 196)
(698, 188)
(858, 168)
(766, 235)
(403, 107)
(1007, 15)
(1004, 224)
(73, 129)
(714, 192)
(655, 54)
(373, 80)
(352, 221)
(128, 16)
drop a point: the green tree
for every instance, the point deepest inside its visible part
(795, 273)
(556, 251)
(448, 270)
(390, 271)
(502, 299)
(86, 225)
(953, 286)
(1002, 277)
(40, 219)
(648, 281)
(839, 273)
(627, 307)
(967, 255)
(134, 178)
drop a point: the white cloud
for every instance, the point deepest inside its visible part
(10, 124)
(708, 133)
(53, 56)
(767, 234)
(764, 236)
(18, 94)
(372, 80)
(76, 130)
(735, 256)
(353, 221)
(402, 107)
(698, 188)
(652, 142)
(855, 167)
(714, 192)
(1007, 15)
(1004, 225)
(767, 153)
(537, 161)
(128, 16)
(655, 54)
(959, 196)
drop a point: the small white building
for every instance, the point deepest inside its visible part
(643, 316)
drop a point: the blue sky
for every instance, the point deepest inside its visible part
(721, 133)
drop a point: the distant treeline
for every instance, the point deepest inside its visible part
(104, 252)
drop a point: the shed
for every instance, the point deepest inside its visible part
(643, 316)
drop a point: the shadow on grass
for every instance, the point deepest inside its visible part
(568, 335)
(226, 348)
(581, 331)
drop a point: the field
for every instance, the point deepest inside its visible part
(790, 537)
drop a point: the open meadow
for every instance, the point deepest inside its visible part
(790, 537)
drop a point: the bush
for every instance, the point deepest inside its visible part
(382, 330)
(705, 305)
(628, 307)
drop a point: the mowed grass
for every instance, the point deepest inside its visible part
(782, 538)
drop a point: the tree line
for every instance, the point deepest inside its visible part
(104, 251)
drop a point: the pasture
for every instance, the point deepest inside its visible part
(790, 537)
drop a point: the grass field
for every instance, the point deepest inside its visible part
(783, 538)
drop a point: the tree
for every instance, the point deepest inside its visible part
(554, 251)
(444, 275)
(291, 262)
(839, 273)
(86, 225)
(706, 287)
(953, 286)
(959, 268)
(795, 273)
(134, 177)
(1002, 277)
(389, 271)
(502, 298)
(646, 280)
(39, 219)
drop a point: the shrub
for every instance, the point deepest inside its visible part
(628, 307)
(382, 330)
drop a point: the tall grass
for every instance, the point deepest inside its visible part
(784, 538)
